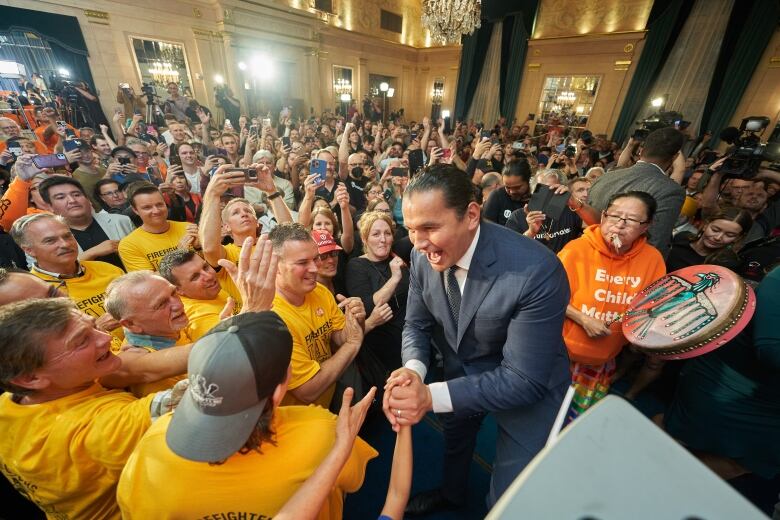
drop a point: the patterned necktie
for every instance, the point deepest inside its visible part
(453, 292)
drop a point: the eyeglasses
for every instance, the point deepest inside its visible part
(114, 193)
(329, 254)
(614, 219)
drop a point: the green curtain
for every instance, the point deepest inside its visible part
(474, 48)
(742, 62)
(660, 30)
(514, 46)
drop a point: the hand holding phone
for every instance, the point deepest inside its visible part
(55, 160)
(320, 168)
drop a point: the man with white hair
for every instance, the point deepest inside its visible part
(285, 187)
(10, 130)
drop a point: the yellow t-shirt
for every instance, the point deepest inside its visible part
(66, 455)
(232, 253)
(254, 485)
(89, 291)
(144, 389)
(311, 326)
(204, 314)
(143, 250)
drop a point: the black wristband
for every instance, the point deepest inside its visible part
(273, 196)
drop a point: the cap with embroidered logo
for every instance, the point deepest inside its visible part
(325, 241)
(233, 371)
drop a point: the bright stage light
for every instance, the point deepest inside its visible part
(657, 102)
(384, 86)
(390, 92)
(63, 72)
(346, 98)
(242, 65)
(218, 79)
(445, 114)
(263, 67)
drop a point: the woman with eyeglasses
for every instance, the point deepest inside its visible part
(381, 280)
(606, 268)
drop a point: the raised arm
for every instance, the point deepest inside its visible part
(626, 158)
(210, 228)
(348, 227)
(141, 366)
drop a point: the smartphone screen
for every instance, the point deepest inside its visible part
(285, 141)
(15, 150)
(123, 160)
(175, 160)
(72, 144)
(539, 198)
(253, 130)
(556, 205)
(416, 161)
(320, 168)
(250, 174)
(486, 134)
(399, 172)
(266, 121)
(54, 160)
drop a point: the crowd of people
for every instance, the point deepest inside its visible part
(186, 298)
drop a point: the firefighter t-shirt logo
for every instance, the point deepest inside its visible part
(507, 213)
(319, 312)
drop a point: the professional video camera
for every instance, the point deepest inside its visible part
(148, 91)
(659, 120)
(748, 152)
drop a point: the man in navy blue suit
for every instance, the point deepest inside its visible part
(493, 303)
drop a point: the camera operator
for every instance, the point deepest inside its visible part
(126, 96)
(176, 104)
(227, 101)
(93, 116)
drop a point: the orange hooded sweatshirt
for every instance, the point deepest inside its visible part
(603, 284)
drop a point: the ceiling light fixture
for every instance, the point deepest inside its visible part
(449, 20)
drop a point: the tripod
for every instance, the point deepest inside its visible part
(153, 111)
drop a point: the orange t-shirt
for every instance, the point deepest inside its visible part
(51, 142)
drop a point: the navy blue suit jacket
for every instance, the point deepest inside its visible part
(507, 352)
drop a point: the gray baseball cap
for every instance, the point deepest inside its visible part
(233, 371)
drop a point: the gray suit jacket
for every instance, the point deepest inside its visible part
(648, 178)
(507, 353)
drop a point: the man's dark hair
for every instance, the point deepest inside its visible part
(57, 180)
(518, 168)
(140, 188)
(663, 144)
(94, 139)
(648, 200)
(122, 149)
(288, 232)
(454, 184)
(173, 260)
(103, 182)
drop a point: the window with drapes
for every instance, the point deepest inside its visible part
(28, 49)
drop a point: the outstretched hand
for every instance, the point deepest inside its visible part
(255, 275)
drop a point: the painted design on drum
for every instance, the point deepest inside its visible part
(682, 304)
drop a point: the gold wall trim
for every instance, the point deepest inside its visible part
(98, 17)
(534, 66)
(569, 36)
(774, 62)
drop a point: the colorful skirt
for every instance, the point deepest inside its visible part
(591, 384)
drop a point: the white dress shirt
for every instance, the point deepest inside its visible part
(440, 393)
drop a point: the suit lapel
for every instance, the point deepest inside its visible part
(478, 282)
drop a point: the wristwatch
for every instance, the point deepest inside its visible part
(273, 195)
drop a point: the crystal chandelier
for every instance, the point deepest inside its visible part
(163, 73)
(342, 86)
(448, 20)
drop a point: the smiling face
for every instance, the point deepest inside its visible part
(52, 245)
(720, 233)
(154, 308)
(77, 356)
(436, 230)
(298, 267)
(151, 208)
(196, 279)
